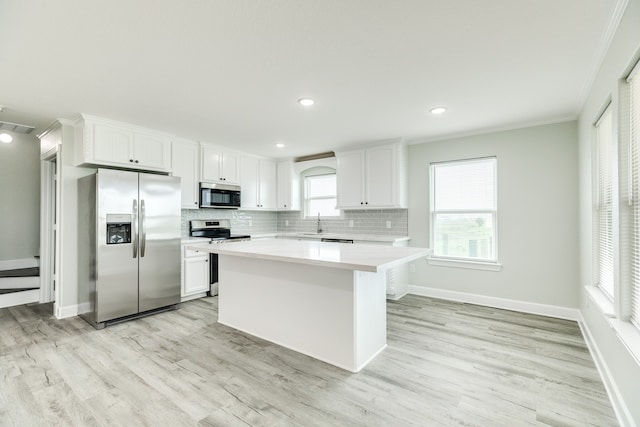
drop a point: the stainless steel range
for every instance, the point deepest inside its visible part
(217, 231)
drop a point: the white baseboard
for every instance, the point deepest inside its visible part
(19, 298)
(19, 282)
(13, 264)
(619, 407)
(507, 304)
(69, 311)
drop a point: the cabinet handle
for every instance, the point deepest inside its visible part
(131, 160)
(206, 260)
(195, 203)
(136, 161)
(362, 203)
(366, 203)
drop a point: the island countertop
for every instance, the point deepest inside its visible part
(361, 257)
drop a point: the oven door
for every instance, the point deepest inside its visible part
(220, 196)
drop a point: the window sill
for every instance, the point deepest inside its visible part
(475, 265)
(628, 334)
(601, 300)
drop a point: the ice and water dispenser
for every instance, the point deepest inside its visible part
(118, 229)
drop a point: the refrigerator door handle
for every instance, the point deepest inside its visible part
(134, 224)
(143, 230)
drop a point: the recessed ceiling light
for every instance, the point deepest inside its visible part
(6, 138)
(306, 102)
(279, 145)
(438, 110)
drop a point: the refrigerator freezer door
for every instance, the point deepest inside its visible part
(159, 233)
(117, 269)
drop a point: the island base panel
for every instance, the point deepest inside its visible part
(334, 315)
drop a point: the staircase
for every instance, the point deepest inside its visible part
(19, 286)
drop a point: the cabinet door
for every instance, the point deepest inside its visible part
(196, 276)
(211, 159)
(249, 182)
(288, 187)
(152, 151)
(381, 177)
(231, 168)
(350, 179)
(112, 145)
(267, 184)
(185, 156)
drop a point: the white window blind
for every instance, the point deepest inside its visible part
(320, 195)
(604, 139)
(634, 85)
(464, 209)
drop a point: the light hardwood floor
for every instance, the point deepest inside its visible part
(447, 364)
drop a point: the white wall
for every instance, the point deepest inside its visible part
(537, 215)
(20, 198)
(623, 52)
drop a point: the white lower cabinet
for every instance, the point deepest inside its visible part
(195, 274)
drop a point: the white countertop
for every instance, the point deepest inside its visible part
(360, 257)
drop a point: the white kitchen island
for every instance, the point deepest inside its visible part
(326, 300)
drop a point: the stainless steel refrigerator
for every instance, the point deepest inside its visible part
(129, 245)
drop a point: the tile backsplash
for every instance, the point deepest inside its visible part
(372, 221)
(260, 222)
(242, 222)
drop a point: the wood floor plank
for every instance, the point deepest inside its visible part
(446, 364)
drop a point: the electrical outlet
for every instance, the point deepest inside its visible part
(286, 222)
(388, 224)
(351, 223)
(412, 268)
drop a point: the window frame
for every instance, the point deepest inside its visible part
(305, 199)
(606, 208)
(464, 262)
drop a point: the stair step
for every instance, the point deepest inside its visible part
(19, 282)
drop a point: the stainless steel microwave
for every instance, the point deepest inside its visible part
(219, 196)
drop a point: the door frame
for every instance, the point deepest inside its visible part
(49, 214)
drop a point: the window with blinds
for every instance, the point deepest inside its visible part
(464, 209)
(604, 144)
(634, 86)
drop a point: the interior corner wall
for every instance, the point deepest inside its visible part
(537, 215)
(20, 198)
(622, 371)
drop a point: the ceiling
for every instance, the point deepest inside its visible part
(231, 71)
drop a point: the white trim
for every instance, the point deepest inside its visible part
(629, 335)
(493, 129)
(19, 298)
(458, 263)
(601, 300)
(14, 264)
(601, 51)
(504, 303)
(194, 296)
(619, 407)
(71, 310)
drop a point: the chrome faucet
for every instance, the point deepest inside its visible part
(318, 229)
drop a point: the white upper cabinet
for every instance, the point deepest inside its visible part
(185, 161)
(258, 183)
(374, 177)
(110, 143)
(219, 165)
(288, 187)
